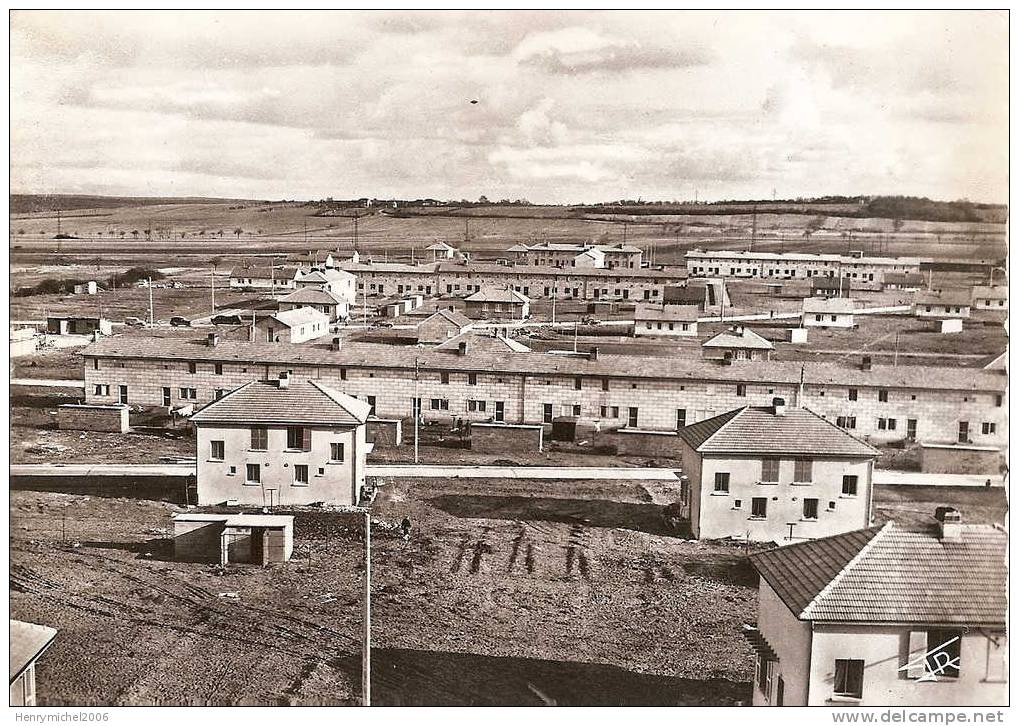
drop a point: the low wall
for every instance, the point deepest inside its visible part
(504, 438)
(385, 433)
(92, 417)
(635, 442)
(160, 488)
(951, 459)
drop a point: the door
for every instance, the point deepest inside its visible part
(780, 692)
(546, 413)
(964, 432)
(166, 396)
(123, 394)
(911, 429)
(500, 411)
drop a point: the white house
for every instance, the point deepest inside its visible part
(324, 301)
(280, 443)
(834, 312)
(441, 251)
(990, 297)
(887, 616)
(941, 305)
(674, 320)
(339, 282)
(292, 326)
(772, 474)
(498, 302)
(263, 277)
(28, 642)
(738, 343)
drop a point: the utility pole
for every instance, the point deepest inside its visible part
(151, 320)
(355, 231)
(416, 407)
(213, 291)
(366, 645)
(753, 229)
(576, 327)
(895, 359)
(799, 392)
(467, 229)
(555, 285)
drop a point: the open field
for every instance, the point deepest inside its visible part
(509, 592)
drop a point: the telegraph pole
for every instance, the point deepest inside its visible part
(753, 229)
(214, 291)
(366, 645)
(151, 320)
(416, 407)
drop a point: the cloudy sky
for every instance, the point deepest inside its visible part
(571, 106)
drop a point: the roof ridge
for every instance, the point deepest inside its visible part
(328, 392)
(805, 615)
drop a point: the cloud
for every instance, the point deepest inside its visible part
(579, 50)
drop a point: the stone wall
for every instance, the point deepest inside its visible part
(90, 417)
(506, 438)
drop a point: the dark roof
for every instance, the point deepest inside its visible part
(311, 296)
(301, 402)
(745, 338)
(893, 574)
(497, 294)
(28, 641)
(903, 278)
(454, 317)
(382, 356)
(959, 299)
(758, 430)
(264, 272)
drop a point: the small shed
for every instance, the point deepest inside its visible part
(78, 325)
(239, 538)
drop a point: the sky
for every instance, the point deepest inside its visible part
(571, 107)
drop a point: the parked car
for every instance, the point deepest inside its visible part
(227, 320)
(136, 322)
(180, 322)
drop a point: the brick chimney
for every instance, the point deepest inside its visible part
(778, 406)
(949, 524)
(461, 348)
(284, 380)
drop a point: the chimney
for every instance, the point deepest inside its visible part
(336, 344)
(593, 353)
(284, 381)
(213, 340)
(865, 363)
(778, 405)
(949, 524)
(461, 348)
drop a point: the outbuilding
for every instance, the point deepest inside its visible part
(233, 538)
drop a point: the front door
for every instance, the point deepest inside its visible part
(911, 429)
(123, 394)
(780, 692)
(166, 395)
(964, 432)
(500, 411)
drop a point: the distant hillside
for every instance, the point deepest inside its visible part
(31, 203)
(902, 208)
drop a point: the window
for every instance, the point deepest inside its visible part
(988, 428)
(444, 378)
(219, 369)
(578, 383)
(631, 417)
(737, 503)
(882, 395)
(336, 452)
(102, 389)
(188, 394)
(95, 365)
(680, 418)
(259, 438)
(605, 385)
(886, 424)
(343, 374)
(846, 422)
(576, 409)
(759, 507)
(472, 379)
(850, 485)
(217, 450)
(944, 651)
(810, 509)
(253, 473)
(849, 678)
(769, 469)
(997, 400)
(722, 482)
(853, 394)
(300, 474)
(473, 405)
(741, 389)
(192, 367)
(803, 470)
(298, 437)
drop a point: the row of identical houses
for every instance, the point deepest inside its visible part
(856, 270)
(880, 403)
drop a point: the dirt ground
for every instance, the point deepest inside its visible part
(508, 592)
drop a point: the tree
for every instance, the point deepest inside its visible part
(238, 232)
(134, 233)
(148, 234)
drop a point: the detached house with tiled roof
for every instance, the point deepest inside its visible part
(885, 616)
(273, 443)
(774, 474)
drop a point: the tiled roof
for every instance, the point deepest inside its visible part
(959, 299)
(300, 316)
(758, 430)
(327, 274)
(311, 296)
(670, 313)
(28, 641)
(995, 292)
(497, 294)
(477, 342)
(746, 338)
(301, 402)
(381, 356)
(828, 305)
(893, 574)
(799, 256)
(453, 316)
(440, 246)
(264, 272)
(903, 278)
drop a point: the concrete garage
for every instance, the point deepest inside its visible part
(233, 538)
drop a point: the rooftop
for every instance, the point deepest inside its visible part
(829, 305)
(327, 274)
(669, 313)
(28, 641)
(264, 272)
(892, 574)
(759, 430)
(494, 344)
(497, 294)
(739, 337)
(300, 316)
(995, 292)
(959, 299)
(453, 316)
(311, 296)
(238, 520)
(300, 402)
(382, 356)
(800, 256)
